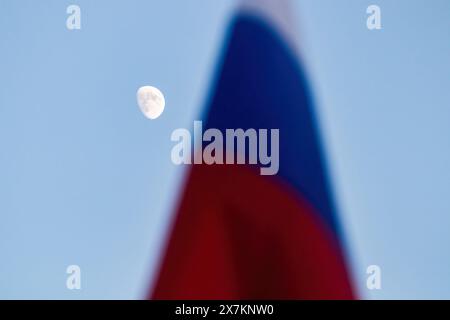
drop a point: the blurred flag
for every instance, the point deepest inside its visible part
(240, 235)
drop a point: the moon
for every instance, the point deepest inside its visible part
(151, 101)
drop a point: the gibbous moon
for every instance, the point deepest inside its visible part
(151, 101)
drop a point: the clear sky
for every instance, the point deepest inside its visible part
(86, 179)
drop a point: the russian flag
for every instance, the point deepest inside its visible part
(241, 235)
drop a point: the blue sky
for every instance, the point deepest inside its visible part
(86, 179)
